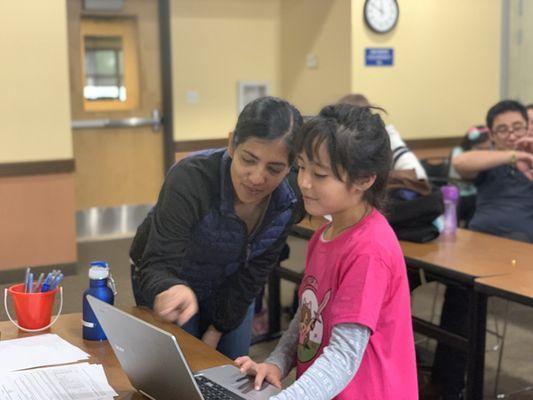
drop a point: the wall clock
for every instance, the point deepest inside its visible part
(381, 15)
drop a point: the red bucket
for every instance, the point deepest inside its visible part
(33, 310)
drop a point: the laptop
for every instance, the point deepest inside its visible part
(156, 367)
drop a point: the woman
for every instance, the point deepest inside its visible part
(217, 230)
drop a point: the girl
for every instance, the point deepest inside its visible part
(217, 230)
(351, 337)
(476, 138)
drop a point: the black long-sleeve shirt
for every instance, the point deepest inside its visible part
(193, 237)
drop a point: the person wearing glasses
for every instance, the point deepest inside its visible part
(503, 177)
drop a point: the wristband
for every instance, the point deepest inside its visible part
(513, 159)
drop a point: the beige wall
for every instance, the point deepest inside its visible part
(320, 28)
(446, 71)
(216, 43)
(34, 100)
(36, 210)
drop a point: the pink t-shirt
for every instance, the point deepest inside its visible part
(360, 277)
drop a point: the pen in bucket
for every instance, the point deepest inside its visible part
(33, 310)
(56, 281)
(46, 283)
(30, 283)
(52, 280)
(39, 282)
(26, 277)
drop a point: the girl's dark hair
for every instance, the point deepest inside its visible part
(475, 135)
(355, 99)
(268, 118)
(357, 143)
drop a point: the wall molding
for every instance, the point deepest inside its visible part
(16, 275)
(428, 143)
(202, 144)
(37, 167)
(425, 143)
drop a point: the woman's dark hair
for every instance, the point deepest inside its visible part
(529, 106)
(357, 143)
(355, 99)
(268, 118)
(503, 107)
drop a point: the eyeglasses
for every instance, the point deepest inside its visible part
(504, 131)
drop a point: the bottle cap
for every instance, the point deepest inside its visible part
(99, 270)
(100, 263)
(450, 192)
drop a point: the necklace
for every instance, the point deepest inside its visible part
(253, 216)
(337, 232)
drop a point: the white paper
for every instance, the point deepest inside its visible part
(37, 351)
(67, 382)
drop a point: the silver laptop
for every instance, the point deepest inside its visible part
(156, 367)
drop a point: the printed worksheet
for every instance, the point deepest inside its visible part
(37, 351)
(68, 382)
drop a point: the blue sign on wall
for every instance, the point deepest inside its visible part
(379, 57)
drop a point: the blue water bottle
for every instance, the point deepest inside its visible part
(102, 286)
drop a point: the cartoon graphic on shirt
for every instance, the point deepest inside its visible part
(311, 325)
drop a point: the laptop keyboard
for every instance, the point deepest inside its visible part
(213, 391)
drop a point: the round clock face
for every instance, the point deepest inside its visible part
(381, 15)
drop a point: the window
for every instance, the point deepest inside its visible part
(109, 64)
(104, 69)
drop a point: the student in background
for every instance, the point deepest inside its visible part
(403, 158)
(503, 180)
(352, 334)
(476, 138)
(217, 230)
(503, 177)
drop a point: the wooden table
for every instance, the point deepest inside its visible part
(464, 259)
(198, 355)
(516, 286)
(470, 255)
(467, 255)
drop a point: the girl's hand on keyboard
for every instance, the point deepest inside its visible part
(261, 371)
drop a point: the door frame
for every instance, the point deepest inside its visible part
(169, 153)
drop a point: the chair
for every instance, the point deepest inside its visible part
(437, 169)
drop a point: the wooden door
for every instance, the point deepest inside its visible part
(115, 74)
